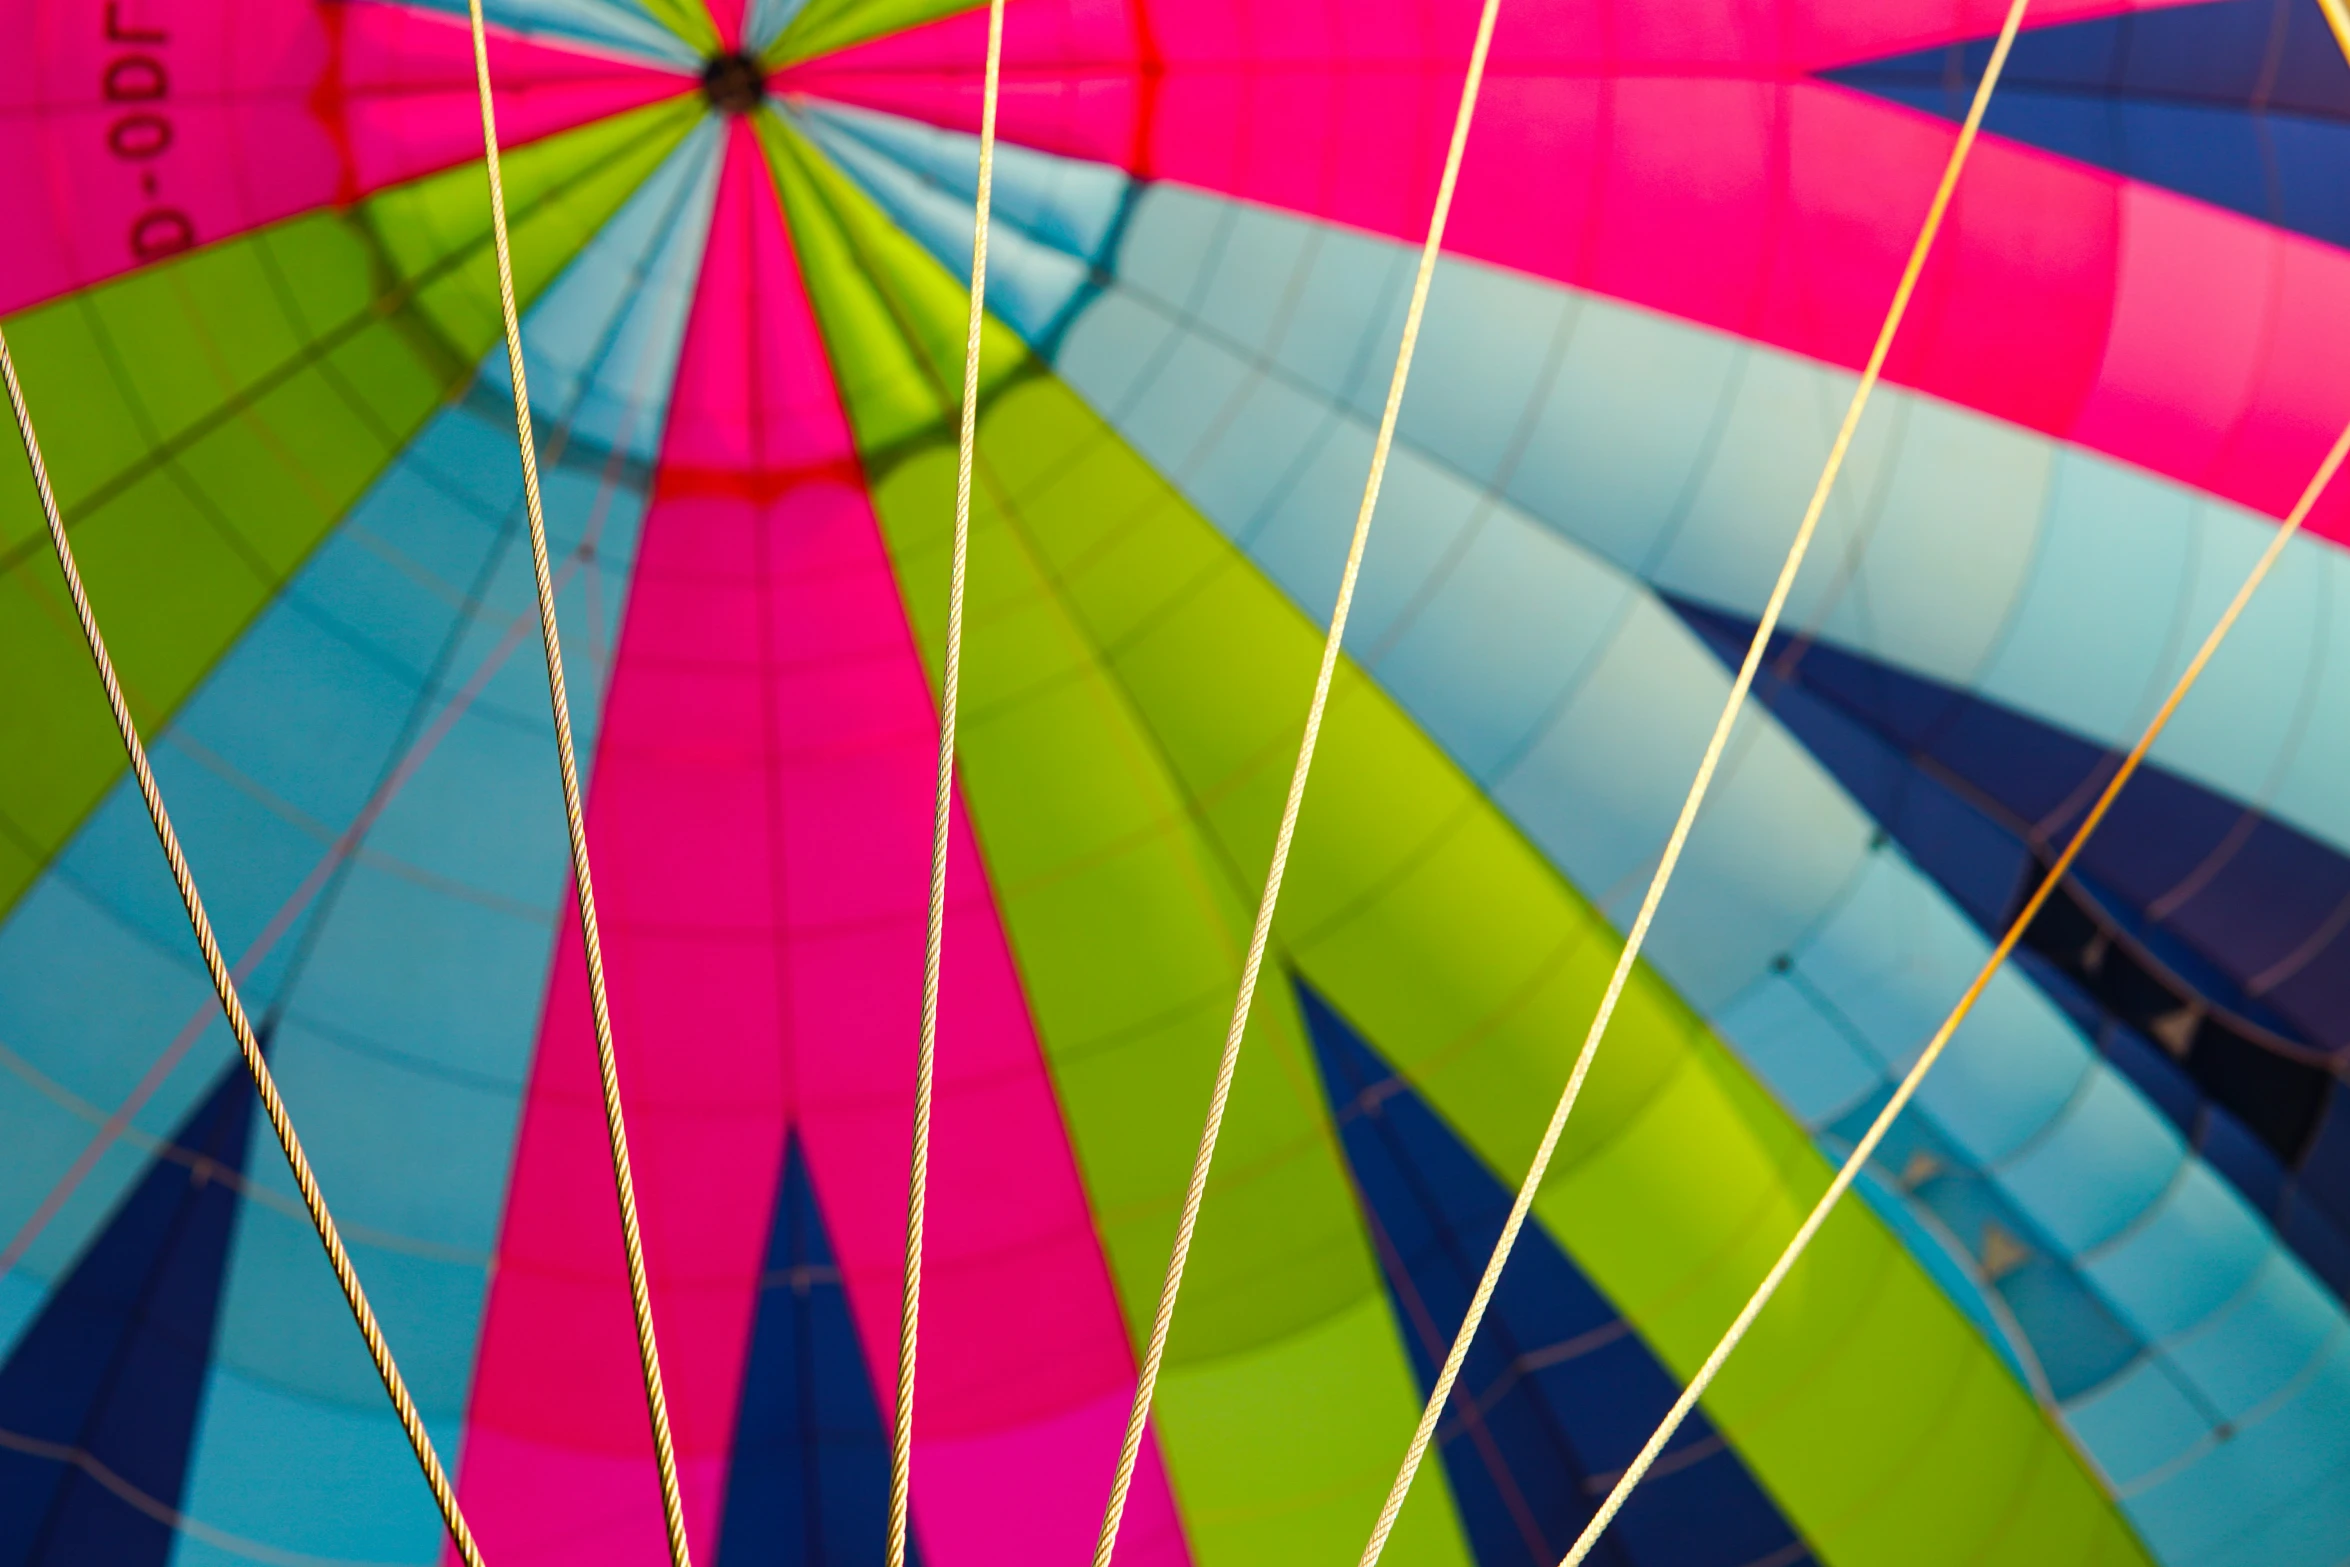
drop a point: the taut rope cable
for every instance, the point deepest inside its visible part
(1441, 1392)
(224, 986)
(901, 1450)
(2338, 16)
(1958, 1014)
(1146, 1382)
(607, 1064)
(346, 844)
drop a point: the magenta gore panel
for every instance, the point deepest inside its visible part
(1687, 160)
(727, 17)
(761, 823)
(137, 128)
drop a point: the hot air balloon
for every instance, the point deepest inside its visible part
(2091, 1304)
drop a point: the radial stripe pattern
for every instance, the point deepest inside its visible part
(2092, 1307)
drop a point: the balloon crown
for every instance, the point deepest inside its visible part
(734, 83)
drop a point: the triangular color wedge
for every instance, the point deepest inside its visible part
(765, 983)
(98, 1400)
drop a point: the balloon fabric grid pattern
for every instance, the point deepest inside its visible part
(2091, 1305)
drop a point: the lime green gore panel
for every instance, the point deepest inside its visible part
(1287, 1397)
(1132, 695)
(206, 421)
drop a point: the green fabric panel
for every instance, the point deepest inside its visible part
(1287, 1398)
(826, 25)
(1886, 1427)
(689, 20)
(207, 420)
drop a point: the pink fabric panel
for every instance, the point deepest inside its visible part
(401, 81)
(1681, 159)
(1550, 37)
(727, 17)
(994, 1476)
(2294, 406)
(760, 819)
(135, 127)
(2166, 311)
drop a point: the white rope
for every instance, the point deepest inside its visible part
(1441, 1392)
(607, 1062)
(224, 986)
(345, 845)
(2338, 16)
(1146, 1382)
(901, 1450)
(1902, 1095)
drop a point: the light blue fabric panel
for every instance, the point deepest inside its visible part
(1817, 1073)
(2283, 1329)
(402, 1038)
(90, 993)
(2142, 1427)
(1569, 618)
(2286, 1494)
(765, 20)
(1976, 554)
(2179, 1263)
(1245, 352)
(1049, 218)
(332, 1456)
(2127, 541)
(269, 759)
(1069, 206)
(2111, 1128)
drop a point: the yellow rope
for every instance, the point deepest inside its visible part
(607, 1064)
(1155, 1355)
(901, 1451)
(2339, 16)
(346, 844)
(115, 1125)
(1441, 1392)
(224, 986)
(1958, 1014)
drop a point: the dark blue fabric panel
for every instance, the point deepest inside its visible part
(2246, 903)
(2249, 906)
(2312, 1217)
(2242, 103)
(809, 1482)
(1976, 796)
(113, 1368)
(1564, 1392)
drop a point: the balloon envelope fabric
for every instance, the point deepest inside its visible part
(2091, 1305)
